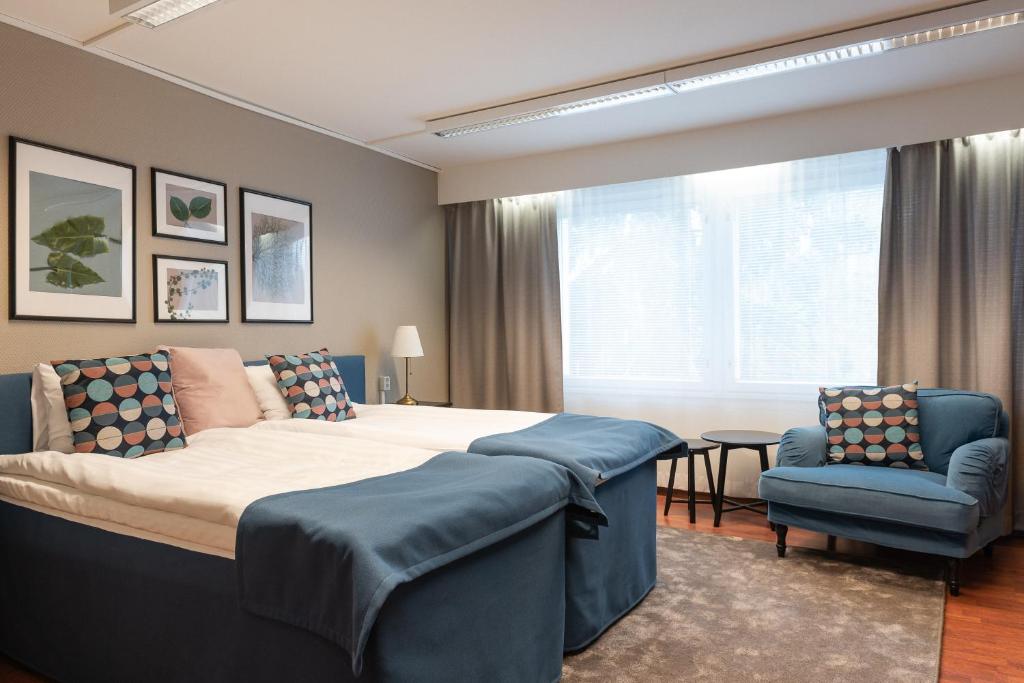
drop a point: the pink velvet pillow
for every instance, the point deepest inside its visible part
(212, 389)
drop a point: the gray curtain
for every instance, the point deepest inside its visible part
(504, 304)
(951, 283)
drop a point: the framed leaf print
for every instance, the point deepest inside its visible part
(72, 235)
(189, 208)
(277, 251)
(189, 290)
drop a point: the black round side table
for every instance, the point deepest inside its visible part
(732, 440)
(696, 447)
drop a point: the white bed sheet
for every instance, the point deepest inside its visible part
(194, 497)
(438, 429)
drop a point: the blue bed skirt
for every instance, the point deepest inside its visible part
(82, 604)
(608, 577)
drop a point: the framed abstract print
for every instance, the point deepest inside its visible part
(277, 252)
(189, 290)
(72, 235)
(189, 208)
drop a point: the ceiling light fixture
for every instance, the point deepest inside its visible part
(866, 42)
(154, 13)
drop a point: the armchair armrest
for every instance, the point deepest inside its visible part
(980, 470)
(803, 447)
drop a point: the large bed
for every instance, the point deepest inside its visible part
(117, 569)
(604, 580)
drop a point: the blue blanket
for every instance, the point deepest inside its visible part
(325, 560)
(595, 448)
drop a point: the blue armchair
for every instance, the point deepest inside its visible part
(953, 510)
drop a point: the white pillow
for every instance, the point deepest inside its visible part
(268, 394)
(51, 430)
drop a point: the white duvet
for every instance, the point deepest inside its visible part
(438, 429)
(193, 497)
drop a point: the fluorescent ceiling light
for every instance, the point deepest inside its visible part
(577, 107)
(672, 83)
(156, 12)
(846, 52)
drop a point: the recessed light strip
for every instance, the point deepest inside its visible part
(844, 53)
(160, 12)
(591, 104)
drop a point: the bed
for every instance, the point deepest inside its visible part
(126, 570)
(604, 580)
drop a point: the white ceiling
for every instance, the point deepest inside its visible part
(376, 71)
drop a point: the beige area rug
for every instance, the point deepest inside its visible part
(728, 609)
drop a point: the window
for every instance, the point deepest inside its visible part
(745, 280)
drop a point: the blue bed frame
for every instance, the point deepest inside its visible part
(78, 603)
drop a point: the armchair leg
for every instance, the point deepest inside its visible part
(953, 575)
(831, 543)
(988, 549)
(780, 539)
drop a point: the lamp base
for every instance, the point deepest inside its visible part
(407, 400)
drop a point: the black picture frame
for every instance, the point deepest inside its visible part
(244, 241)
(156, 290)
(13, 230)
(154, 172)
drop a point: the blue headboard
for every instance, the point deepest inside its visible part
(16, 413)
(16, 405)
(353, 374)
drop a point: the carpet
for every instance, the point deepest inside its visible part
(728, 609)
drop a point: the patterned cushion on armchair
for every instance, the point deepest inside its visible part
(873, 426)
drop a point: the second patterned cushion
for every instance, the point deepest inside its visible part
(873, 426)
(312, 386)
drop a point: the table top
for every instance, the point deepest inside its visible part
(695, 444)
(741, 437)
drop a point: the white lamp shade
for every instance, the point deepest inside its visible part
(407, 343)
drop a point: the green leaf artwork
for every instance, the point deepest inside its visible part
(80, 236)
(200, 206)
(179, 209)
(183, 287)
(68, 272)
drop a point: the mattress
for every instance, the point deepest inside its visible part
(440, 429)
(193, 497)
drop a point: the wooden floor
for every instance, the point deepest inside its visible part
(983, 638)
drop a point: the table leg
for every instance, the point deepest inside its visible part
(671, 485)
(723, 460)
(691, 498)
(763, 452)
(711, 479)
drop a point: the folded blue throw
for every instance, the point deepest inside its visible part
(595, 448)
(325, 560)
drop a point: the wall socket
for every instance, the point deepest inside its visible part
(384, 383)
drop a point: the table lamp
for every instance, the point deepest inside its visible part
(406, 345)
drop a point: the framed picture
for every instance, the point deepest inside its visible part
(189, 208)
(189, 290)
(72, 235)
(277, 250)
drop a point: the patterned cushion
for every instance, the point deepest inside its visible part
(121, 406)
(312, 386)
(873, 426)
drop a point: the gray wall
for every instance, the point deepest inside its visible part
(377, 229)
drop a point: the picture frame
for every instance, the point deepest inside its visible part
(72, 235)
(186, 207)
(190, 290)
(277, 258)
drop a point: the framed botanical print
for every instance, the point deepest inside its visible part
(277, 251)
(189, 208)
(189, 290)
(72, 235)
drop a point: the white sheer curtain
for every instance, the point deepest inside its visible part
(722, 300)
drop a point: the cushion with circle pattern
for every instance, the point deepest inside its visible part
(312, 386)
(121, 406)
(873, 426)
